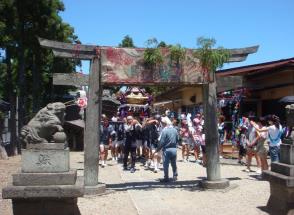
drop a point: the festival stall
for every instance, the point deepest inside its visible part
(229, 105)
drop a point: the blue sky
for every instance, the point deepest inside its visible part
(233, 23)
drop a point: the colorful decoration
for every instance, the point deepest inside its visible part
(126, 66)
(135, 101)
(82, 102)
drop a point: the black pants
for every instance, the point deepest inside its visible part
(132, 150)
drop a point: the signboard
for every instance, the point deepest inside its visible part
(126, 66)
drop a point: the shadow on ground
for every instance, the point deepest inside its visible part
(191, 185)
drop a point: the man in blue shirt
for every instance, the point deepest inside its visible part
(168, 142)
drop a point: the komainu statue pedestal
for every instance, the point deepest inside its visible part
(45, 185)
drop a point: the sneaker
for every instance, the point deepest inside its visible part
(258, 171)
(164, 180)
(133, 170)
(103, 165)
(247, 170)
(113, 158)
(220, 157)
(125, 168)
(155, 170)
(185, 161)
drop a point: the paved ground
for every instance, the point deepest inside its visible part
(141, 193)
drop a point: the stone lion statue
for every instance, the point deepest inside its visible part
(43, 127)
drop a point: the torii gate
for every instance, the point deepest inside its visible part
(124, 66)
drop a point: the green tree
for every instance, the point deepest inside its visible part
(210, 58)
(127, 42)
(27, 68)
(162, 44)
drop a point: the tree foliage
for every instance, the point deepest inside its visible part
(152, 54)
(127, 42)
(177, 53)
(210, 59)
(26, 68)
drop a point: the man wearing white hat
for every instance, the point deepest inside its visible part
(168, 144)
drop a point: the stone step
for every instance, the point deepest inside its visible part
(42, 179)
(287, 154)
(282, 168)
(278, 178)
(49, 191)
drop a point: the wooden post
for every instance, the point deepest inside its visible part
(91, 136)
(211, 132)
(214, 180)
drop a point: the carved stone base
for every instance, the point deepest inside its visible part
(48, 191)
(220, 184)
(45, 160)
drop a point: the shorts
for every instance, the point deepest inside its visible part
(139, 143)
(242, 150)
(186, 141)
(203, 149)
(196, 143)
(251, 150)
(117, 143)
(221, 141)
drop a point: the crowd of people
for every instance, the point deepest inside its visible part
(155, 140)
(260, 137)
(152, 141)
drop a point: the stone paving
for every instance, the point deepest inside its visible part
(141, 193)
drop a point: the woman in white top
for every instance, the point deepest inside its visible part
(274, 135)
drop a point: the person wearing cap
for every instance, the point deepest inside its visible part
(168, 144)
(130, 143)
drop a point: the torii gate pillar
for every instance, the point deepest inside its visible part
(92, 131)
